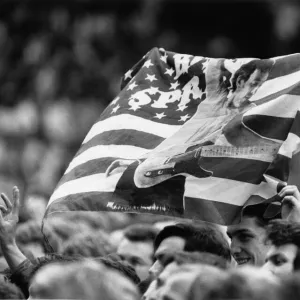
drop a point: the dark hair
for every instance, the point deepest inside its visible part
(296, 263)
(140, 232)
(257, 212)
(282, 232)
(199, 238)
(246, 70)
(205, 258)
(9, 290)
(120, 266)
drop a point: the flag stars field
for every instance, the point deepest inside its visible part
(151, 77)
(164, 58)
(181, 107)
(128, 74)
(132, 86)
(114, 110)
(115, 101)
(184, 118)
(153, 90)
(169, 71)
(174, 85)
(160, 116)
(148, 63)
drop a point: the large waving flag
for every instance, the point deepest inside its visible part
(189, 136)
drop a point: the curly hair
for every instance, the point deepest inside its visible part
(282, 232)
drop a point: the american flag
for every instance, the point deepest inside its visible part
(189, 136)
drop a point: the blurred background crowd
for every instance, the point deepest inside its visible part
(61, 63)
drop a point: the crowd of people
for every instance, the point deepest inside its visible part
(127, 256)
(60, 65)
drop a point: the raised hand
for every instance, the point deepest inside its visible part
(9, 217)
(290, 209)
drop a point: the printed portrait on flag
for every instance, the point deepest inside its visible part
(215, 130)
(189, 136)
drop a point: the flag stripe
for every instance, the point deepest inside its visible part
(279, 168)
(123, 137)
(218, 189)
(285, 65)
(291, 90)
(276, 85)
(243, 169)
(92, 183)
(296, 125)
(284, 106)
(290, 146)
(90, 201)
(127, 121)
(91, 167)
(211, 211)
(269, 127)
(121, 151)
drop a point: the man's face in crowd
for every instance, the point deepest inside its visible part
(138, 254)
(169, 245)
(248, 242)
(246, 89)
(158, 283)
(172, 283)
(280, 259)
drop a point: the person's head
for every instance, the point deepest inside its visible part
(248, 282)
(172, 261)
(113, 261)
(9, 290)
(81, 280)
(284, 255)
(248, 238)
(88, 244)
(182, 280)
(136, 247)
(190, 238)
(246, 81)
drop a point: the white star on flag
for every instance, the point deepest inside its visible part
(174, 85)
(128, 74)
(132, 86)
(115, 101)
(159, 116)
(184, 118)
(151, 77)
(169, 71)
(153, 90)
(114, 110)
(164, 58)
(135, 106)
(148, 63)
(181, 107)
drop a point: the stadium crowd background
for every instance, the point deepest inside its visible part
(61, 63)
